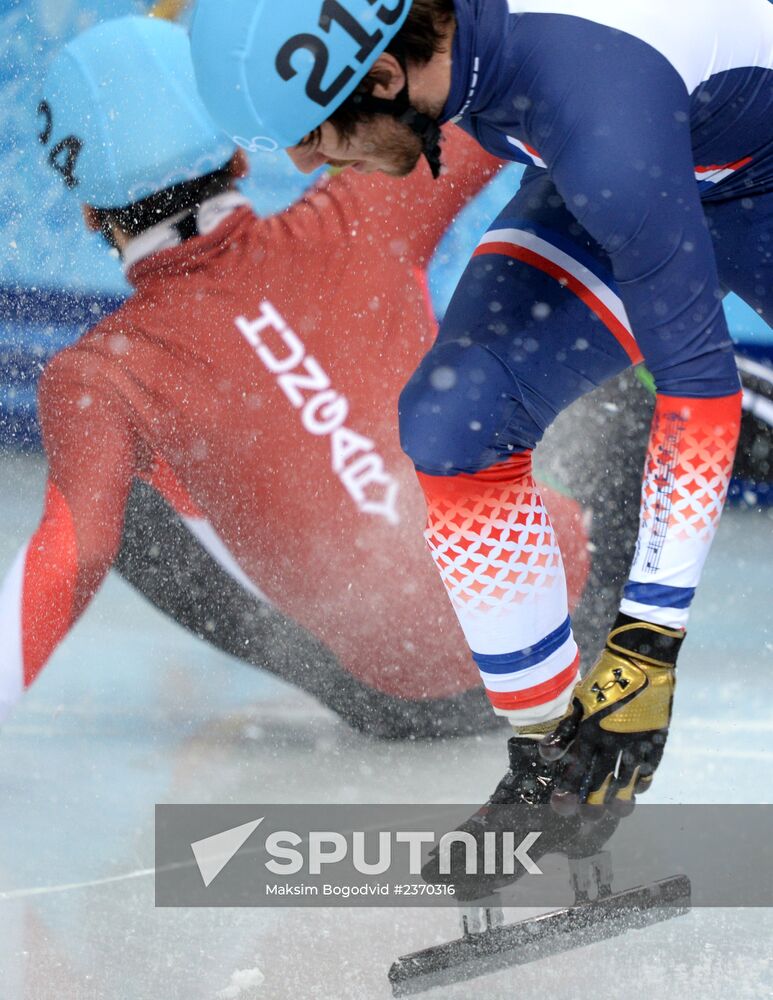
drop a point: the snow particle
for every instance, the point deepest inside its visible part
(242, 982)
(443, 378)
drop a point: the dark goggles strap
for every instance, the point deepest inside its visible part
(426, 128)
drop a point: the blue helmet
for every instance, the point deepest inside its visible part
(120, 117)
(271, 71)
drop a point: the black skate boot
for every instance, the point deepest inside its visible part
(518, 806)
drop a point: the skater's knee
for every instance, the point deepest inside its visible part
(711, 374)
(462, 411)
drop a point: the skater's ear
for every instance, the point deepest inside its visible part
(91, 218)
(240, 165)
(387, 77)
(102, 222)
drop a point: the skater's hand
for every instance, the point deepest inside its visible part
(613, 738)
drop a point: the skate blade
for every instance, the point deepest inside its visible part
(538, 937)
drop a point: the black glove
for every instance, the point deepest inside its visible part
(615, 731)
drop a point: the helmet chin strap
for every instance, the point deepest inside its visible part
(423, 126)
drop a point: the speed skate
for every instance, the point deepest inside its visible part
(488, 944)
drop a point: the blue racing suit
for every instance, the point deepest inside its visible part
(648, 132)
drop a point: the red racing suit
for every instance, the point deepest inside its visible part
(254, 376)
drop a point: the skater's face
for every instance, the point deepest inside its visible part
(379, 143)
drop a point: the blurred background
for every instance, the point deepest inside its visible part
(56, 279)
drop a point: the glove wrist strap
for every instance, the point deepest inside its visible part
(653, 644)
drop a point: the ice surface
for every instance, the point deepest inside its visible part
(132, 712)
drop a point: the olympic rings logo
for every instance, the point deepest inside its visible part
(257, 144)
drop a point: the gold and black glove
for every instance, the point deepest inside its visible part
(613, 736)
